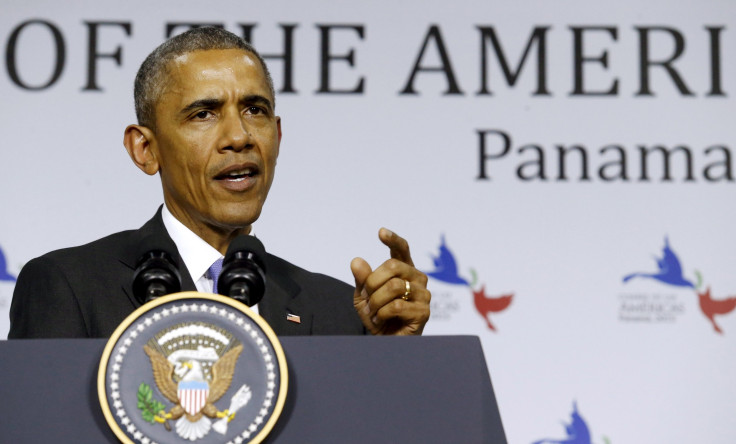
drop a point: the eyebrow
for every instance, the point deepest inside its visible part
(202, 103)
(212, 103)
(256, 99)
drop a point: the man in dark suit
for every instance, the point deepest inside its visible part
(206, 124)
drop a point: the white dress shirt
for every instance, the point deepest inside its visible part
(197, 254)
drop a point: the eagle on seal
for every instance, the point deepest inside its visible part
(192, 416)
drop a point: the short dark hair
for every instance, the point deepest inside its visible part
(149, 82)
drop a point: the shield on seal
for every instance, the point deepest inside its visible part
(193, 395)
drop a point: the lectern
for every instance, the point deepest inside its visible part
(430, 389)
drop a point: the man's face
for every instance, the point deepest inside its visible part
(216, 140)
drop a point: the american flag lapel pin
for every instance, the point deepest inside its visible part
(294, 318)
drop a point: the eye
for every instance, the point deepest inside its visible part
(254, 110)
(202, 114)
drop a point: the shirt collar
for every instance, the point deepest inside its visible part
(197, 254)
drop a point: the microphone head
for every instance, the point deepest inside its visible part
(243, 275)
(250, 244)
(156, 272)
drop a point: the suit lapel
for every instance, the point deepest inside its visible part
(156, 227)
(284, 297)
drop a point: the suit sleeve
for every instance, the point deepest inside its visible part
(44, 304)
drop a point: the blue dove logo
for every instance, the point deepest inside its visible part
(577, 431)
(670, 270)
(446, 266)
(4, 275)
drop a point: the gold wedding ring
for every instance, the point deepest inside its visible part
(407, 293)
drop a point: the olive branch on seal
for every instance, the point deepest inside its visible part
(150, 408)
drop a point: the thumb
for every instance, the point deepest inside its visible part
(361, 270)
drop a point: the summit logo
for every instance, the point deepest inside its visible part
(5, 290)
(4, 273)
(446, 270)
(669, 272)
(577, 431)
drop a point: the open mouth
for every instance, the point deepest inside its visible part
(238, 174)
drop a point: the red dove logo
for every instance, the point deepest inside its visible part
(446, 271)
(712, 307)
(487, 305)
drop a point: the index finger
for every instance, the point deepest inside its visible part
(398, 246)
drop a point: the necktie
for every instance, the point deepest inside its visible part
(214, 272)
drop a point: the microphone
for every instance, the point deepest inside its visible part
(243, 275)
(156, 272)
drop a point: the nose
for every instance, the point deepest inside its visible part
(235, 133)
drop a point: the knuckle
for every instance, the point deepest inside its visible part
(397, 285)
(424, 317)
(373, 304)
(393, 265)
(423, 279)
(370, 285)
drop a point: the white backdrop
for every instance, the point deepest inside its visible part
(640, 359)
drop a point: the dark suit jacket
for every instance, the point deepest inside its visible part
(86, 291)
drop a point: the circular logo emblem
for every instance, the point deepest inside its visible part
(192, 367)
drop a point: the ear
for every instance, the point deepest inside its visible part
(278, 128)
(137, 140)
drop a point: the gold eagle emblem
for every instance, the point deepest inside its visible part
(193, 379)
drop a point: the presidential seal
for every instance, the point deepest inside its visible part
(192, 367)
